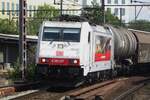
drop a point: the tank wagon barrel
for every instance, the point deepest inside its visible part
(125, 43)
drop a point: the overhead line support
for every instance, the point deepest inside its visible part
(22, 37)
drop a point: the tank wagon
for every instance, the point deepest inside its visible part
(78, 50)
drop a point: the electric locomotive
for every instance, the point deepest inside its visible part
(73, 49)
(79, 50)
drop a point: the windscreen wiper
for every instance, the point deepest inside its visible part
(51, 41)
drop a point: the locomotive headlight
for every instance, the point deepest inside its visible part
(43, 60)
(75, 61)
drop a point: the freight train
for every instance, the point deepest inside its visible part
(79, 50)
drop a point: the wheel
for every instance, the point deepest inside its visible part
(113, 73)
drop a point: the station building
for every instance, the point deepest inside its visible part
(126, 13)
(13, 5)
(9, 49)
(118, 11)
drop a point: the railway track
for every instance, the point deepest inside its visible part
(106, 90)
(53, 93)
(94, 91)
(99, 91)
(131, 91)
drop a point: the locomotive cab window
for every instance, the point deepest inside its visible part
(71, 35)
(61, 34)
(51, 34)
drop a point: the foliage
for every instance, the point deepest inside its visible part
(31, 53)
(111, 19)
(140, 25)
(44, 13)
(8, 26)
(94, 15)
(15, 74)
(31, 72)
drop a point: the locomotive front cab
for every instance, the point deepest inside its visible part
(58, 53)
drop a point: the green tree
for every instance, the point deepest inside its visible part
(43, 13)
(8, 26)
(111, 19)
(94, 15)
(140, 25)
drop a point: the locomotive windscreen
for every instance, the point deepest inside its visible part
(61, 34)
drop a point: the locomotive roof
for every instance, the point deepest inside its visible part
(101, 29)
(62, 23)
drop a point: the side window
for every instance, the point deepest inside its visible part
(116, 11)
(3, 8)
(123, 11)
(1, 55)
(116, 1)
(13, 9)
(109, 1)
(123, 2)
(89, 37)
(8, 8)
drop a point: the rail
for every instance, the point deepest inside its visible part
(132, 90)
(89, 92)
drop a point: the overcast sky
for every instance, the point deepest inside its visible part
(145, 12)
